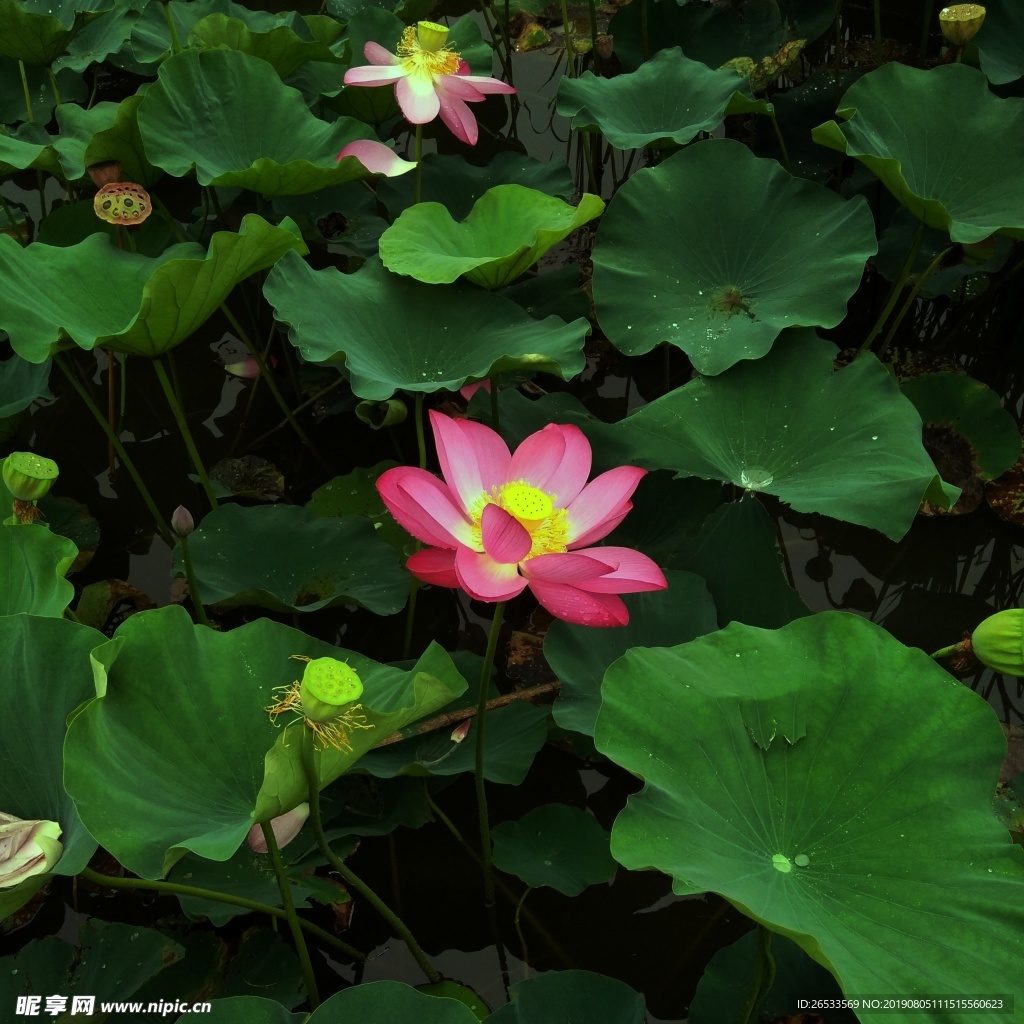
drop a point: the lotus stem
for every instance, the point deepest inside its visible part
(174, 889)
(897, 288)
(183, 429)
(53, 85)
(161, 524)
(10, 218)
(925, 28)
(570, 51)
(944, 652)
(763, 979)
(495, 425)
(175, 41)
(285, 888)
(417, 188)
(782, 142)
(421, 441)
(643, 30)
(193, 585)
(878, 32)
(481, 792)
(349, 876)
(918, 284)
(25, 90)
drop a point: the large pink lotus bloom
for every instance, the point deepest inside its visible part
(429, 79)
(501, 522)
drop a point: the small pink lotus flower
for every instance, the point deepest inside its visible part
(429, 79)
(501, 522)
(285, 828)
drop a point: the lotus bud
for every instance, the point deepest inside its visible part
(182, 522)
(26, 848)
(285, 828)
(327, 687)
(998, 643)
(461, 731)
(430, 35)
(960, 23)
(105, 173)
(27, 476)
(604, 46)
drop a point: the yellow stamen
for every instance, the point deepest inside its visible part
(535, 509)
(418, 58)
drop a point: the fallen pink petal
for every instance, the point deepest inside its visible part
(503, 521)
(377, 158)
(429, 78)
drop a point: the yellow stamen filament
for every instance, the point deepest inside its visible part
(534, 509)
(418, 60)
(327, 734)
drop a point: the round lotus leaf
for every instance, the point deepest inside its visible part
(229, 116)
(668, 97)
(28, 147)
(957, 164)
(102, 296)
(790, 421)
(40, 36)
(21, 383)
(285, 558)
(33, 562)
(1000, 42)
(400, 333)
(716, 252)
(509, 228)
(800, 774)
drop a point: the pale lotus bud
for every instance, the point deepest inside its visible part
(461, 731)
(327, 687)
(285, 828)
(961, 22)
(26, 848)
(27, 476)
(998, 643)
(182, 522)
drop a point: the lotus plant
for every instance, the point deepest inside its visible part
(501, 521)
(27, 848)
(429, 78)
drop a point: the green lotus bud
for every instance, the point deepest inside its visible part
(960, 23)
(26, 848)
(327, 687)
(182, 522)
(28, 476)
(998, 643)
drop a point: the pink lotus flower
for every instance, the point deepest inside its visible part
(501, 522)
(429, 79)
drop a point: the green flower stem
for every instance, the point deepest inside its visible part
(174, 889)
(175, 41)
(481, 792)
(186, 434)
(161, 524)
(925, 29)
(410, 614)
(763, 979)
(878, 32)
(193, 585)
(24, 88)
(53, 86)
(285, 888)
(348, 875)
(421, 441)
(592, 6)
(904, 309)
(305, 405)
(417, 187)
(897, 288)
(570, 51)
(14, 224)
(944, 652)
(643, 30)
(495, 422)
(782, 142)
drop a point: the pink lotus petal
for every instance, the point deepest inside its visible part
(374, 75)
(377, 158)
(572, 605)
(410, 514)
(473, 458)
(435, 566)
(458, 118)
(556, 460)
(485, 579)
(469, 390)
(505, 539)
(603, 528)
(632, 574)
(417, 98)
(285, 828)
(567, 568)
(484, 84)
(459, 88)
(376, 54)
(436, 502)
(600, 501)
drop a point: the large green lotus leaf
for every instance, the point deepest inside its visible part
(800, 773)
(509, 228)
(106, 131)
(33, 562)
(99, 295)
(28, 147)
(47, 675)
(563, 996)
(109, 961)
(668, 97)
(846, 444)
(675, 263)
(972, 409)
(554, 845)
(21, 383)
(284, 47)
(285, 558)
(400, 333)
(170, 756)
(968, 182)
(579, 656)
(230, 117)
(99, 40)
(39, 36)
(457, 185)
(1000, 42)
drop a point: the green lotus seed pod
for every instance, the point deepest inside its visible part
(28, 476)
(960, 23)
(998, 642)
(327, 687)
